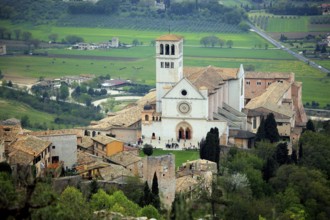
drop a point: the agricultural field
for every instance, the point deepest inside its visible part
(180, 156)
(13, 109)
(288, 24)
(96, 34)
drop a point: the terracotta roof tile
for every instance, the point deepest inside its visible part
(124, 158)
(210, 77)
(169, 37)
(114, 171)
(271, 97)
(104, 139)
(267, 75)
(30, 145)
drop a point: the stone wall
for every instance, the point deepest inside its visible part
(164, 167)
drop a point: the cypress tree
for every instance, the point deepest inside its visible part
(271, 132)
(261, 131)
(294, 158)
(155, 192)
(281, 153)
(210, 149)
(268, 171)
(147, 195)
(310, 126)
(300, 153)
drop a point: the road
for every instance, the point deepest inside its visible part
(280, 46)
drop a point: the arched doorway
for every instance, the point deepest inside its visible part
(181, 133)
(184, 131)
(188, 133)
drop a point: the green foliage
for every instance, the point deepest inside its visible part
(67, 113)
(73, 205)
(155, 192)
(123, 205)
(281, 153)
(316, 152)
(271, 132)
(7, 191)
(149, 211)
(73, 39)
(181, 209)
(210, 147)
(310, 125)
(5, 168)
(25, 121)
(147, 195)
(147, 149)
(101, 200)
(261, 135)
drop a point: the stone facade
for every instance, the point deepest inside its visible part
(164, 167)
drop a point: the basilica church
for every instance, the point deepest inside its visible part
(191, 100)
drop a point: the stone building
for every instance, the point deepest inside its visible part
(190, 101)
(30, 150)
(164, 167)
(276, 93)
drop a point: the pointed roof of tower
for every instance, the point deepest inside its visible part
(169, 37)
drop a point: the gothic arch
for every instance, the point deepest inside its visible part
(172, 49)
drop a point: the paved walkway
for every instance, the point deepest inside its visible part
(171, 145)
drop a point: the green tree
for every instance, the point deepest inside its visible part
(230, 43)
(64, 91)
(73, 39)
(147, 149)
(135, 42)
(181, 209)
(17, 33)
(101, 200)
(210, 148)
(271, 132)
(282, 153)
(5, 168)
(155, 192)
(147, 195)
(261, 135)
(310, 126)
(25, 121)
(324, 49)
(73, 205)
(53, 37)
(27, 36)
(150, 212)
(205, 41)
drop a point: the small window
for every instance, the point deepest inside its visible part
(258, 83)
(53, 147)
(161, 64)
(247, 82)
(167, 65)
(172, 65)
(184, 92)
(269, 83)
(146, 117)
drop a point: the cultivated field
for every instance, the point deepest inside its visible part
(138, 63)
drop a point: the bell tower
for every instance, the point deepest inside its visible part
(169, 64)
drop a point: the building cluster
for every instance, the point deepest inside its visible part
(113, 43)
(186, 103)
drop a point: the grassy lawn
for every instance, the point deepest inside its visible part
(180, 156)
(297, 24)
(13, 109)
